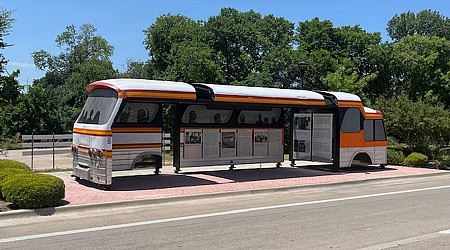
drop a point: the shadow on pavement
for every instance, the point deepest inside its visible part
(199, 178)
(148, 182)
(261, 174)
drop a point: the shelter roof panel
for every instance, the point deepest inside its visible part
(230, 93)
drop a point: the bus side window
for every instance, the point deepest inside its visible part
(351, 123)
(380, 134)
(368, 130)
(138, 113)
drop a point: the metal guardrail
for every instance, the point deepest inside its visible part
(46, 141)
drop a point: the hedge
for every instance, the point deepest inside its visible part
(8, 172)
(416, 160)
(33, 190)
(395, 157)
(4, 164)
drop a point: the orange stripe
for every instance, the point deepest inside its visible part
(267, 100)
(374, 116)
(92, 132)
(134, 146)
(356, 104)
(160, 94)
(354, 140)
(350, 104)
(137, 130)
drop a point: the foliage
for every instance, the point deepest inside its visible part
(395, 157)
(54, 101)
(5, 26)
(427, 23)
(33, 190)
(408, 78)
(416, 160)
(418, 124)
(9, 168)
(10, 164)
(6, 173)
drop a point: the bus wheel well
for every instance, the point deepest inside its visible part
(361, 159)
(145, 160)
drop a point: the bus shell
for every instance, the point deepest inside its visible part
(121, 125)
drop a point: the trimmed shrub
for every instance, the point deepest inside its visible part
(395, 157)
(416, 160)
(33, 190)
(4, 164)
(8, 172)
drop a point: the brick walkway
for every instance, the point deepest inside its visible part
(141, 184)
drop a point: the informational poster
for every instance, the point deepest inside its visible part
(322, 137)
(260, 142)
(244, 142)
(275, 142)
(228, 143)
(211, 139)
(193, 144)
(302, 136)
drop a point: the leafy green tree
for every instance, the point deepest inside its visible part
(425, 23)
(85, 58)
(162, 35)
(194, 61)
(5, 26)
(244, 38)
(415, 65)
(420, 124)
(346, 79)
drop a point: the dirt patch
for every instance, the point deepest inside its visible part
(4, 206)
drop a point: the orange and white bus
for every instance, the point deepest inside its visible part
(121, 126)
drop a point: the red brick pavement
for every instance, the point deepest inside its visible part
(128, 188)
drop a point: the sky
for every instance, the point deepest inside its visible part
(122, 23)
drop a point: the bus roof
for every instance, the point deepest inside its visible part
(343, 96)
(146, 88)
(243, 94)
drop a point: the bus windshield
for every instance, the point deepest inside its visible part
(98, 107)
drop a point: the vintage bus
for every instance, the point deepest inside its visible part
(121, 126)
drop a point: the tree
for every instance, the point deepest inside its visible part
(425, 23)
(84, 59)
(420, 124)
(194, 61)
(327, 48)
(415, 65)
(162, 35)
(5, 26)
(243, 39)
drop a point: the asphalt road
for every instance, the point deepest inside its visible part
(411, 213)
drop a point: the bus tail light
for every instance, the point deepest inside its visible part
(74, 149)
(96, 153)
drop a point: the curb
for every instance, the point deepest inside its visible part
(25, 213)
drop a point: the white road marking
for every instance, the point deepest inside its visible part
(402, 242)
(192, 217)
(445, 231)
